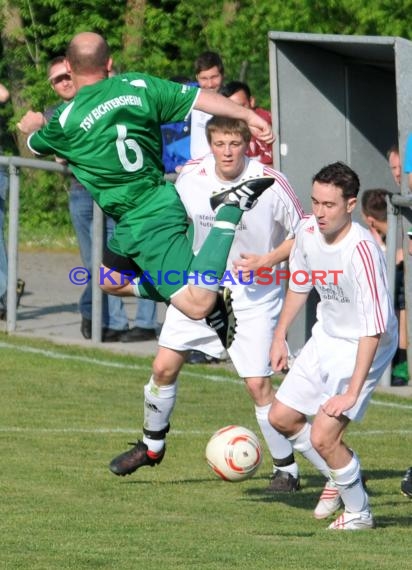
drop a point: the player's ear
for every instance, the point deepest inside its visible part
(109, 65)
(370, 221)
(350, 205)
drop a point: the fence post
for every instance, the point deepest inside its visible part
(14, 163)
(97, 249)
(13, 240)
(392, 218)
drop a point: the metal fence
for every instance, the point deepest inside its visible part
(14, 164)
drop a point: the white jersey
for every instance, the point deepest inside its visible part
(263, 228)
(350, 277)
(257, 307)
(199, 146)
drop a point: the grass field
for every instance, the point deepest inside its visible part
(66, 412)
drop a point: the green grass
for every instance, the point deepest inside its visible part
(48, 238)
(63, 419)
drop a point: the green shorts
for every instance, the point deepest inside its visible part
(154, 236)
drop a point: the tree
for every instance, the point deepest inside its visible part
(163, 37)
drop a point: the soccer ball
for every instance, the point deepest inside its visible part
(234, 453)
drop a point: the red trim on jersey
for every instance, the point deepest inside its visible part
(193, 161)
(284, 184)
(366, 256)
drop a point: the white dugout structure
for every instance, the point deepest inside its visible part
(348, 98)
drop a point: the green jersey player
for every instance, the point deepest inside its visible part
(110, 136)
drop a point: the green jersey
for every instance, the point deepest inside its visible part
(111, 138)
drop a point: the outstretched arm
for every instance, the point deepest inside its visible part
(216, 104)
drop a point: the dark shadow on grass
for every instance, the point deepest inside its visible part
(303, 499)
(394, 521)
(307, 497)
(159, 482)
(312, 485)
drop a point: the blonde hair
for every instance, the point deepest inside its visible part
(227, 125)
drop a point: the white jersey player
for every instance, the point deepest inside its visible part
(352, 342)
(263, 240)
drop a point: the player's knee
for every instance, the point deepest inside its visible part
(260, 390)
(285, 420)
(201, 307)
(202, 303)
(164, 372)
(277, 418)
(197, 313)
(194, 302)
(323, 445)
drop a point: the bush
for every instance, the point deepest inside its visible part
(44, 211)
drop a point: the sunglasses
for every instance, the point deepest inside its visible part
(60, 78)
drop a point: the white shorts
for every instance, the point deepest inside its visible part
(324, 368)
(251, 346)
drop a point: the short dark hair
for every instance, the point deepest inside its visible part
(227, 125)
(55, 61)
(394, 148)
(207, 60)
(233, 87)
(341, 175)
(373, 202)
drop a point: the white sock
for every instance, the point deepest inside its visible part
(301, 442)
(159, 402)
(279, 446)
(349, 482)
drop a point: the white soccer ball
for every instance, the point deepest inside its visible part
(234, 453)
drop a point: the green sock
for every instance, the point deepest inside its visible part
(213, 255)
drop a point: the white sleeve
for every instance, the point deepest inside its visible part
(184, 185)
(298, 267)
(199, 146)
(372, 297)
(288, 210)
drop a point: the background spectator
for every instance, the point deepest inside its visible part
(209, 72)
(240, 93)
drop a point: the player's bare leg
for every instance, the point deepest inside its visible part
(285, 476)
(193, 301)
